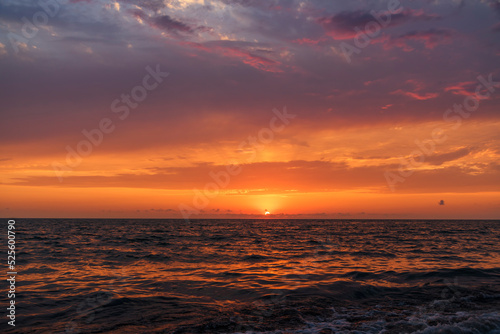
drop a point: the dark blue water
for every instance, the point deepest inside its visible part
(254, 276)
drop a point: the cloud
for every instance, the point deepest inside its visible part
(429, 38)
(439, 159)
(415, 95)
(465, 88)
(246, 52)
(162, 22)
(276, 177)
(165, 22)
(342, 25)
(157, 210)
(153, 5)
(318, 175)
(307, 41)
(221, 75)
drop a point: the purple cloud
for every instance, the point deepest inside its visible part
(343, 24)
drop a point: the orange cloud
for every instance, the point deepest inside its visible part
(416, 96)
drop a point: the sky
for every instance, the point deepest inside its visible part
(225, 109)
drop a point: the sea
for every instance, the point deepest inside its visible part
(255, 276)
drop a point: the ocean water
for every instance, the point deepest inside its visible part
(256, 276)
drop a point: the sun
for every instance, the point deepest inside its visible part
(266, 213)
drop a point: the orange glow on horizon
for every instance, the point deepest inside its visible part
(343, 177)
